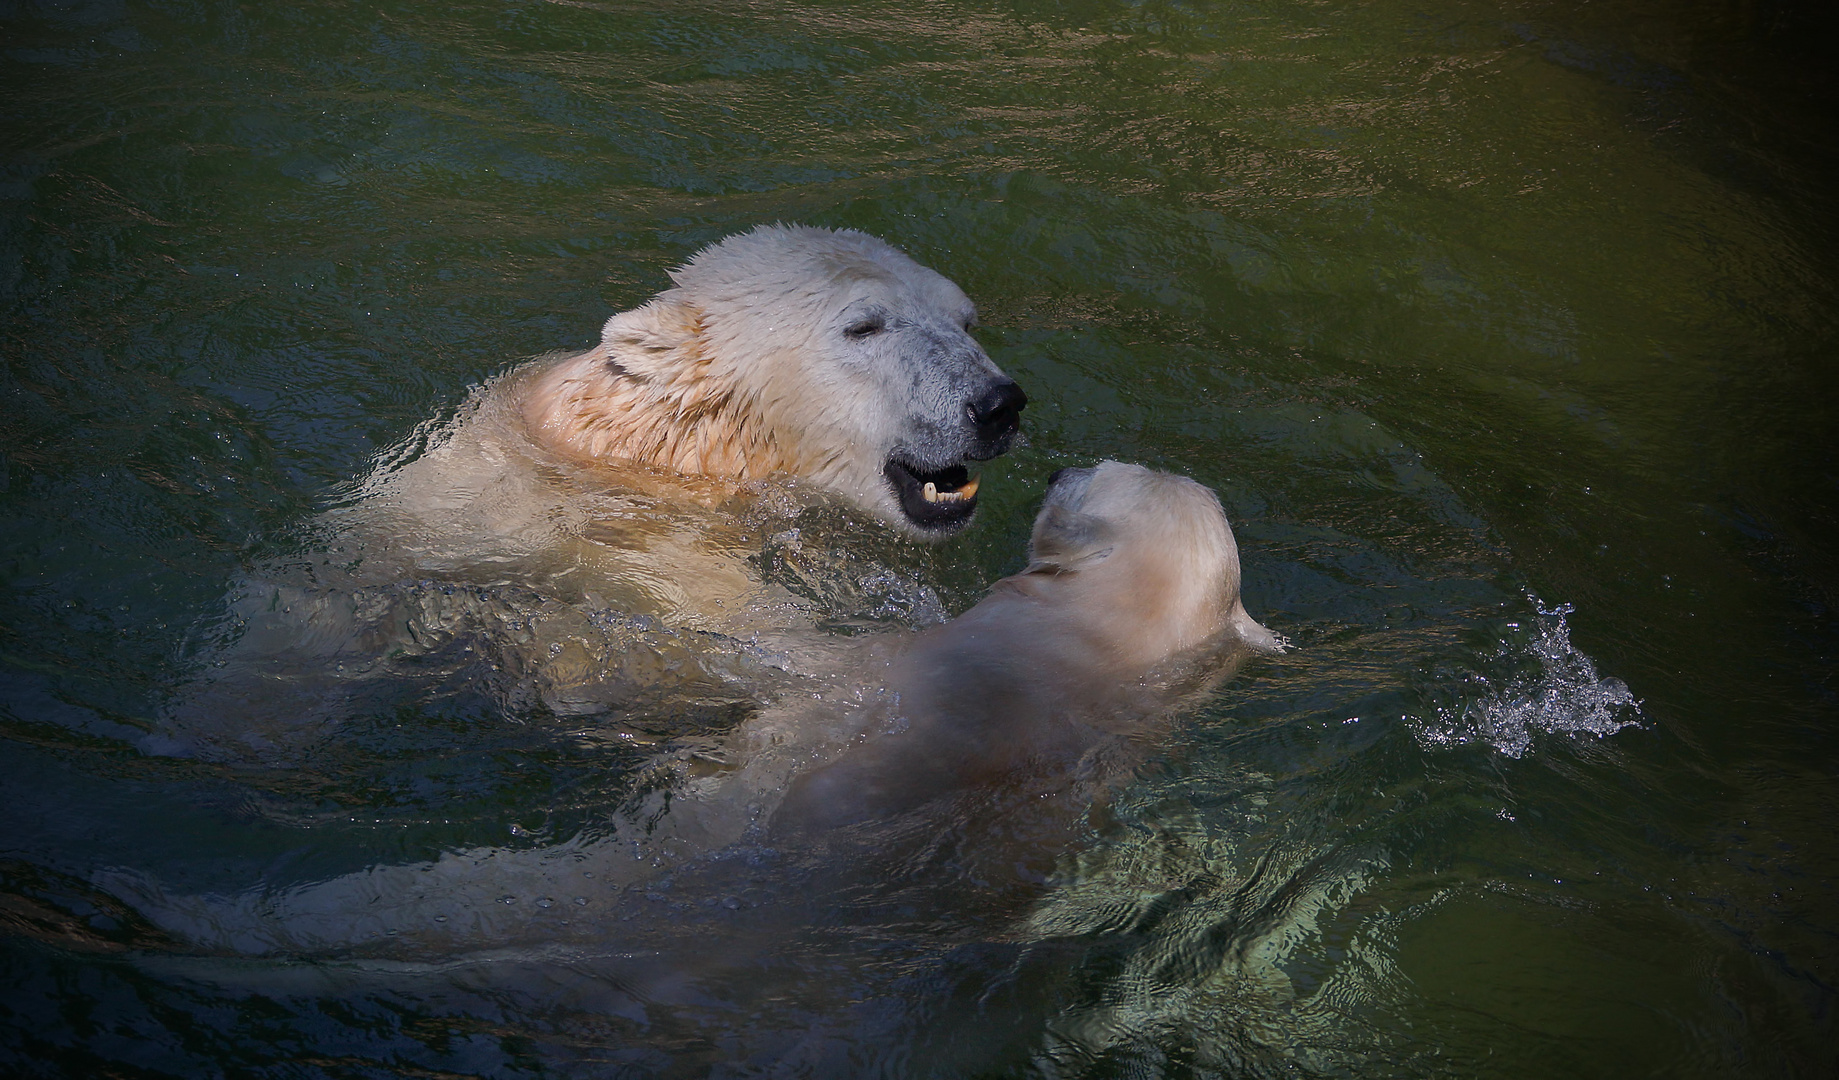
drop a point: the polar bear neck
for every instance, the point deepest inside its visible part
(590, 409)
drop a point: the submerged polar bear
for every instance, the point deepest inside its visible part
(998, 729)
(621, 481)
(788, 351)
(823, 357)
(1129, 570)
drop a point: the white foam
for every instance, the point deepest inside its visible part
(1545, 685)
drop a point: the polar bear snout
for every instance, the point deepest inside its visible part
(997, 416)
(933, 491)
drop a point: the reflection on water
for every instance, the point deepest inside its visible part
(1455, 305)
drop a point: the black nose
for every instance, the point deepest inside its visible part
(998, 411)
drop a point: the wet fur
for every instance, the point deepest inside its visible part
(636, 477)
(738, 377)
(984, 740)
(744, 370)
(1133, 576)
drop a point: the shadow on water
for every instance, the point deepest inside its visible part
(1504, 332)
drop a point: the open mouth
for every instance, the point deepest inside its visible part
(935, 500)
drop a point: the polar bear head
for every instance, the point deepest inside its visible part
(825, 354)
(1129, 569)
(1147, 556)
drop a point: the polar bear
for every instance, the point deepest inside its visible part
(821, 358)
(1130, 570)
(633, 479)
(793, 350)
(999, 728)
(824, 356)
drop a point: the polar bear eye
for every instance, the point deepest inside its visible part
(868, 327)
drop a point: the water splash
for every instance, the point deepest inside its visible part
(1538, 682)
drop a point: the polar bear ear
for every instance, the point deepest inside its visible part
(658, 339)
(1065, 540)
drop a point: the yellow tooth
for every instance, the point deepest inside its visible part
(969, 489)
(930, 491)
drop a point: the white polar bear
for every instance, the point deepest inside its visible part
(813, 354)
(823, 357)
(621, 481)
(1129, 570)
(792, 350)
(1000, 728)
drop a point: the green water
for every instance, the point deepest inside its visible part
(1506, 333)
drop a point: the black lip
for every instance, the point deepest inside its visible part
(908, 481)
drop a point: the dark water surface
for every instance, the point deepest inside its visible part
(1505, 331)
